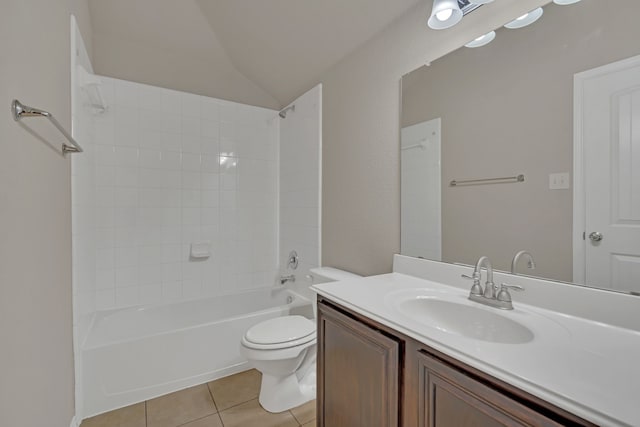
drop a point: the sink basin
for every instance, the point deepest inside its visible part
(466, 320)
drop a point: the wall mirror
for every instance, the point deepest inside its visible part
(531, 142)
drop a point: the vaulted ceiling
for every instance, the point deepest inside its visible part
(280, 46)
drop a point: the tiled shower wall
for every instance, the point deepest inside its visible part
(172, 169)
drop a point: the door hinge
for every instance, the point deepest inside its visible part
(584, 235)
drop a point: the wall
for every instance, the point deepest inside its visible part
(300, 179)
(516, 79)
(361, 194)
(173, 47)
(179, 70)
(172, 169)
(35, 217)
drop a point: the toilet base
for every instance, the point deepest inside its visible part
(278, 394)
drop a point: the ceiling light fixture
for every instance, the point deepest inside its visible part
(565, 2)
(482, 40)
(445, 14)
(526, 19)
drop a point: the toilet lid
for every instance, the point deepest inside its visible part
(280, 330)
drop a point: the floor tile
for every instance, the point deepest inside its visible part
(310, 424)
(251, 414)
(180, 407)
(210, 421)
(236, 389)
(130, 416)
(305, 413)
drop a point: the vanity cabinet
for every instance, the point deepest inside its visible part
(359, 371)
(370, 375)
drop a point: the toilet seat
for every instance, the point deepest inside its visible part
(279, 333)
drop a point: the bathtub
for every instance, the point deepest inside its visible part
(134, 354)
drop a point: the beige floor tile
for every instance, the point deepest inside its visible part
(305, 413)
(180, 407)
(236, 389)
(130, 416)
(210, 421)
(251, 414)
(311, 423)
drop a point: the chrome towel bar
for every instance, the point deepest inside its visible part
(20, 110)
(504, 180)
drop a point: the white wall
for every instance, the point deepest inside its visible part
(173, 168)
(361, 172)
(300, 180)
(36, 360)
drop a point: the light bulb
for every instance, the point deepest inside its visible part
(443, 15)
(526, 19)
(482, 40)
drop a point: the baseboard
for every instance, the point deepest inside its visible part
(75, 422)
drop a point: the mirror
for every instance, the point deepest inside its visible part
(502, 116)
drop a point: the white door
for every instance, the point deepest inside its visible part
(611, 144)
(420, 206)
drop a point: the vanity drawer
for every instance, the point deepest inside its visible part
(449, 396)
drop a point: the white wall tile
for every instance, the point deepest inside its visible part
(126, 276)
(151, 294)
(126, 93)
(190, 162)
(156, 185)
(105, 299)
(171, 102)
(149, 158)
(126, 297)
(150, 98)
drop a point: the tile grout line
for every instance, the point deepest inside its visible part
(215, 404)
(201, 418)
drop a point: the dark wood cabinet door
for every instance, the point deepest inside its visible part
(448, 397)
(358, 369)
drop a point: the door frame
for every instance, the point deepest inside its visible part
(579, 190)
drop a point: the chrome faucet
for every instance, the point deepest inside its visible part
(287, 278)
(492, 295)
(514, 263)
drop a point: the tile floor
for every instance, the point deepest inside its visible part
(227, 402)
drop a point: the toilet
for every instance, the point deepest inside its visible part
(283, 349)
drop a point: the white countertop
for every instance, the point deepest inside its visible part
(588, 368)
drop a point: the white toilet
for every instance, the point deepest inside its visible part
(284, 350)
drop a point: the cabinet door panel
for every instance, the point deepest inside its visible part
(448, 398)
(358, 371)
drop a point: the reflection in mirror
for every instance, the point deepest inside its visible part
(509, 108)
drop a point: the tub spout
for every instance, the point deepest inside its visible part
(288, 278)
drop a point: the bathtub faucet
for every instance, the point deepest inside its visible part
(288, 278)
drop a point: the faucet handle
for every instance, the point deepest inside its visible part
(512, 287)
(476, 289)
(503, 293)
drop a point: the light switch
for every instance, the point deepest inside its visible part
(559, 181)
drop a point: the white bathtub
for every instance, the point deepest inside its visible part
(134, 354)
